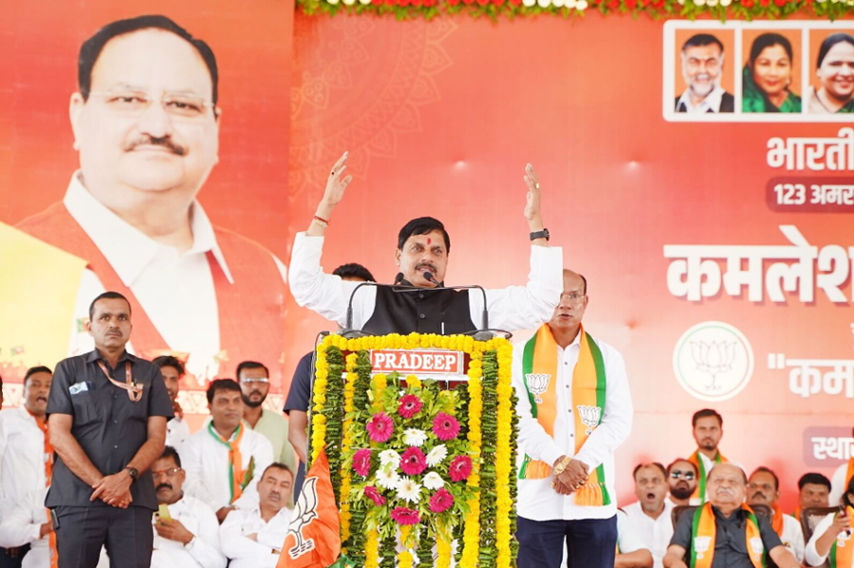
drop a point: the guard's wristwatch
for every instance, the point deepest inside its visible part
(133, 472)
(544, 234)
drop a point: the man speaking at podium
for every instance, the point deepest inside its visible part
(422, 258)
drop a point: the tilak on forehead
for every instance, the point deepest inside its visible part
(429, 240)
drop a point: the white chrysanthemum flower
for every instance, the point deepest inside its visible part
(436, 455)
(433, 481)
(559, 3)
(332, 1)
(408, 489)
(582, 5)
(365, 1)
(544, 3)
(529, 3)
(387, 478)
(414, 437)
(726, 3)
(390, 457)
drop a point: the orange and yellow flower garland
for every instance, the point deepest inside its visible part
(504, 478)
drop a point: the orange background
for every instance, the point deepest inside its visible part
(726, 37)
(440, 118)
(794, 37)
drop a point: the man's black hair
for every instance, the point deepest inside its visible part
(169, 361)
(700, 40)
(354, 270)
(768, 470)
(250, 365)
(705, 413)
(222, 385)
(422, 226)
(108, 295)
(642, 465)
(34, 370)
(170, 452)
(814, 478)
(277, 465)
(92, 47)
(692, 464)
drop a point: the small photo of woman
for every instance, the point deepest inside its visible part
(769, 76)
(833, 86)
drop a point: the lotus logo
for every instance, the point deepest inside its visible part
(701, 545)
(713, 361)
(304, 513)
(538, 383)
(589, 416)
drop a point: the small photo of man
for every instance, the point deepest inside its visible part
(831, 76)
(703, 81)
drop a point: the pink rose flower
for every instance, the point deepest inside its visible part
(410, 405)
(380, 427)
(441, 501)
(362, 462)
(445, 426)
(374, 495)
(460, 468)
(413, 461)
(404, 516)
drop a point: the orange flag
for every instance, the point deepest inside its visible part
(314, 537)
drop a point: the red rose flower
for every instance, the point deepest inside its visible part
(374, 495)
(413, 461)
(445, 426)
(404, 516)
(441, 501)
(460, 468)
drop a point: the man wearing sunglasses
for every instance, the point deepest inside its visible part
(186, 532)
(682, 481)
(254, 379)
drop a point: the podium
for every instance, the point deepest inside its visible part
(420, 433)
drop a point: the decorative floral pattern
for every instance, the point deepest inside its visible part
(408, 453)
(720, 9)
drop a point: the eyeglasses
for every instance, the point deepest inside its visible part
(676, 474)
(134, 103)
(250, 380)
(572, 296)
(171, 472)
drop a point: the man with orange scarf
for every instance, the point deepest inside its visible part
(574, 410)
(707, 429)
(832, 539)
(763, 488)
(724, 532)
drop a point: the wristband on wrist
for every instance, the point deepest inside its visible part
(544, 234)
(321, 220)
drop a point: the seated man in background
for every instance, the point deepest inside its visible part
(630, 550)
(186, 532)
(723, 533)
(223, 458)
(649, 516)
(26, 461)
(253, 537)
(682, 481)
(763, 489)
(813, 491)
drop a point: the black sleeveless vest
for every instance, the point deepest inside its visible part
(420, 310)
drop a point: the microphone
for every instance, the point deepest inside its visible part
(482, 334)
(428, 276)
(398, 278)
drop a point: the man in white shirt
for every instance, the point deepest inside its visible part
(254, 379)
(702, 67)
(146, 127)
(253, 538)
(25, 465)
(763, 488)
(682, 481)
(813, 491)
(574, 410)
(186, 532)
(177, 430)
(649, 516)
(223, 459)
(423, 246)
(631, 551)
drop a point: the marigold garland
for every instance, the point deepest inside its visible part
(440, 433)
(691, 9)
